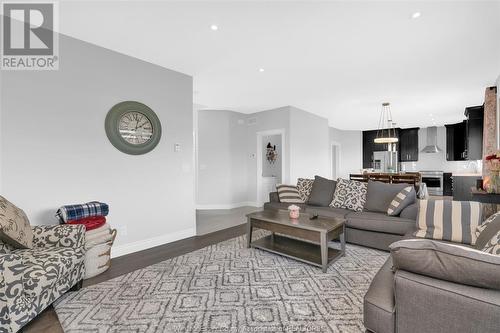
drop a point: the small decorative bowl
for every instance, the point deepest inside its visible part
(293, 211)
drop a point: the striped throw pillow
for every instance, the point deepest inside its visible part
(288, 194)
(454, 221)
(400, 201)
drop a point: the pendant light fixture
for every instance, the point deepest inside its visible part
(386, 132)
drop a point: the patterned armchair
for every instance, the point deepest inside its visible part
(31, 279)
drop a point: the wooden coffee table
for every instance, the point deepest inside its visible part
(302, 239)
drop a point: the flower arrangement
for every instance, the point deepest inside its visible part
(294, 211)
(492, 163)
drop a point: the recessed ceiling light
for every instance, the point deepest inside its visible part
(214, 27)
(261, 70)
(416, 15)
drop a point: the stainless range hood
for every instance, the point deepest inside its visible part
(432, 146)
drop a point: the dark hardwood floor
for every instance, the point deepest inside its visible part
(47, 321)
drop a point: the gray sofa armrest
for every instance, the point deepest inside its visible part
(425, 304)
(410, 212)
(59, 235)
(274, 197)
(448, 262)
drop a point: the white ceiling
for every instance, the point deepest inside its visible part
(336, 59)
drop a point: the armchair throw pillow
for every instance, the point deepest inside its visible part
(349, 194)
(15, 227)
(454, 221)
(488, 235)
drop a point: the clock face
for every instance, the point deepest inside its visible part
(135, 128)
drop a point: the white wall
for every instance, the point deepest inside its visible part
(222, 151)
(437, 161)
(259, 122)
(351, 150)
(55, 150)
(309, 147)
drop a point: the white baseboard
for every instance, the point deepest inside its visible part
(121, 250)
(229, 206)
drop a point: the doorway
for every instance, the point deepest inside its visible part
(270, 162)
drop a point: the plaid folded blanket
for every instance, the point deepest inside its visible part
(78, 212)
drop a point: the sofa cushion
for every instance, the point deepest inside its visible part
(448, 220)
(15, 227)
(327, 211)
(282, 205)
(379, 305)
(304, 186)
(379, 195)
(349, 194)
(450, 262)
(410, 212)
(288, 194)
(379, 222)
(322, 192)
(403, 199)
(45, 266)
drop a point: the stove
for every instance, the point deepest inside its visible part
(433, 180)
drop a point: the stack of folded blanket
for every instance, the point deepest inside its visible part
(99, 236)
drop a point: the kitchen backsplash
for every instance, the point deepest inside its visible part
(437, 161)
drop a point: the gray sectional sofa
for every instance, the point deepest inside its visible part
(372, 229)
(403, 301)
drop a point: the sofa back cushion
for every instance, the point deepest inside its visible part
(288, 193)
(379, 195)
(322, 192)
(349, 194)
(304, 186)
(454, 221)
(488, 235)
(15, 227)
(446, 261)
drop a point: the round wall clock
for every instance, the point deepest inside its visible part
(133, 128)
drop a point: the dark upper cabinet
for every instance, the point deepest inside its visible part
(408, 144)
(456, 146)
(474, 132)
(369, 146)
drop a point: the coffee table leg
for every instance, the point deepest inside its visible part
(324, 252)
(249, 231)
(342, 241)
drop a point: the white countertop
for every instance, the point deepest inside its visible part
(466, 174)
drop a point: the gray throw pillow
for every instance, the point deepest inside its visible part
(380, 195)
(488, 235)
(402, 200)
(322, 192)
(446, 261)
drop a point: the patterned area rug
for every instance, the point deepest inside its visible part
(227, 288)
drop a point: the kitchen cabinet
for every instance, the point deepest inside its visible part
(462, 187)
(456, 146)
(369, 146)
(408, 144)
(474, 132)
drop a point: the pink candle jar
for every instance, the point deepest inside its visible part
(294, 211)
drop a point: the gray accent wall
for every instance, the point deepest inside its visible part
(55, 150)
